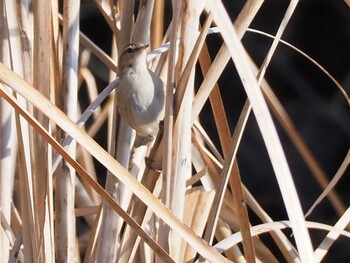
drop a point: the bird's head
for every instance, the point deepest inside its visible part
(132, 54)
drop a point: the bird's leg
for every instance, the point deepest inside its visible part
(150, 162)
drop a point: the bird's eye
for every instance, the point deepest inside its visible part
(129, 50)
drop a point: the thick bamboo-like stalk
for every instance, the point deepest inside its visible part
(7, 138)
(157, 24)
(41, 152)
(167, 153)
(65, 233)
(119, 146)
(181, 170)
(22, 62)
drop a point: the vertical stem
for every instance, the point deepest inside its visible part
(41, 152)
(68, 98)
(157, 24)
(181, 170)
(119, 146)
(168, 123)
(7, 138)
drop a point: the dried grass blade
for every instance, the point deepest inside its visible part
(181, 170)
(195, 178)
(216, 104)
(99, 53)
(332, 236)
(241, 24)
(26, 197)
(228, 171)
(313, 61)
(286, 248)
(301, 146)
(16, 254)
(198, 128)
(108, 198)
(86, 75)
(198, 205)
(290, 129)
(273, 226)
(267, 129)
(181, 87)
(107, 13)
(7, 127)
(311, 162)
(94, 49)
(138, 189)
(41, 152)
(332, 183)
(86, 115)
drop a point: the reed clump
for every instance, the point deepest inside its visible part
(182, 198)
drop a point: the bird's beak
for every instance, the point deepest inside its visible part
(143, 47)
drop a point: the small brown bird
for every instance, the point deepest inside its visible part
(140, 94)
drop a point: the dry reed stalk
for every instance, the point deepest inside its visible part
(216, 103)
(167, 153)
(43, 105)
(269, 133)
(230, 171)
(181, 167)
(328, 241)
(30, 240)
(140, 33)
(39, 128)
(157, 24)
(228, 211)
(108, 230)
(7, 138)
(120, 148)
(65, 233)
(99, 53)
(41, 152)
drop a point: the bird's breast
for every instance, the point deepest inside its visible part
(140, 104)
